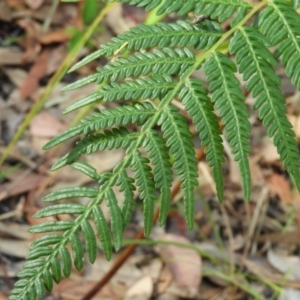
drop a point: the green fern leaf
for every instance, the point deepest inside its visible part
(126, 186)
(46, 240)
(115, 218)
(181, 34)
(116, 138)
(52, 226)
(77, 251)
(222, 9)
(162, 170)
(144, 181)
(56, 270)
(179, 141)
(120, 116)
(90, 240)
(103, 232)
(198, 105)
(147, 88)
(228, 97)
(66, 209)
(256, 64)
(165, 61)
(66, 261)
(86, 169)
(48, 281)
(278, 23)
(74, 192)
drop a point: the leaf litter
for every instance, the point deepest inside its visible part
(29, 56)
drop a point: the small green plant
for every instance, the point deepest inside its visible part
(158, 69)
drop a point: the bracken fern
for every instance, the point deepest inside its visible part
(156, 68)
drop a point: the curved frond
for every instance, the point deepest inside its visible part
(144, 181)
(142, 37)
(229, 99)
(136, 113)
(179, 141)
(143, 88)
(279, 23)
(157, 150)
(198, 105)
(256, 63)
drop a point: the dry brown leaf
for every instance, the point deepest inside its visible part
(34, 4)
(2, 296)
(16, 230)
(37, 71)
(295, 121)
(287, 265)
(30, 43)
(10, 57)
(185, 264)
(16, 75)
(14, 247)
(141, 290)
(269, 152)
(5, 12)
(57, 36)
(17, 187)
(279, 186)
(71, 289)
(46, 125)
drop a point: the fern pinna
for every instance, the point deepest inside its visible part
(158, 68)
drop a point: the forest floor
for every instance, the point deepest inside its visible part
(236, 250)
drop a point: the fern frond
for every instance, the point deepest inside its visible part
(166, 61)
(256, 63)
(115, 217)
(143, 37)
(116, 138)
(162, 170)
(198, 105)
(136, 113)
(278, 22)
(142, 88)
(179, 140)
(74, 192)
(228, 97)
(126, 186)
(103, 232)
(144, 181)
(221, 9)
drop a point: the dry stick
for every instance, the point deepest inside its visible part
(130, 249)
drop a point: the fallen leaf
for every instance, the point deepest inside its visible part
(287, 265)
(184, 263)
(295, 121)
(34, 4)
(5, 12)
(17, 187)
(57, 36)
(289, 294)
(46, 125)
(269, 152)
(141, 290)
(37, 71)
(279, 186)
(10, 57)
(14, 248)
